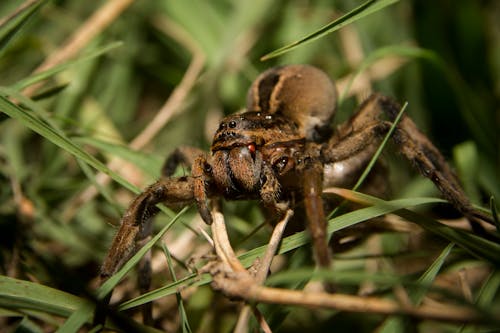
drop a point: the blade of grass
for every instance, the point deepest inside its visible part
(180, 304)
(380, 148)
(428, 277)
(390, 51)
(42, 127)
(475, 245)
(338, 277)
(19, 294)
(374, 158)
(107, 286)
(288, 244)
(12, 25)
(151, 164)
(494, 213)
(367, 8)
(83, 313)
(41, 76)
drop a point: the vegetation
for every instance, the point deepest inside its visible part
(95, 94)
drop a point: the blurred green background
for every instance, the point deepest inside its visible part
(442, 57)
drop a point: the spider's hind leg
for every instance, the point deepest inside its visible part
(429, 161)
(370, 124)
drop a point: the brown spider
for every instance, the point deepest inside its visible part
(283, 152)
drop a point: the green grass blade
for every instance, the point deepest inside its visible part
(20, 294)
(338, 277)
(84, 313)
(42, 127)
(169, 289)
(106, 288)
(37, 77)
(146, 162)
(288, 244)
(367, 8)
(494, 213)
(77, 319)
(409, 52)
(186, 328)
(380, 148)
(473, 244)
(14, 24)
(428, 277)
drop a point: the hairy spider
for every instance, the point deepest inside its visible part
(283, 151)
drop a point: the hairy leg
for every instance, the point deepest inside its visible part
(168, 191)
(364, 132)
(184, 155)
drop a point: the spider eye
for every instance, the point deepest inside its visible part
(232, 124)
(280, 165)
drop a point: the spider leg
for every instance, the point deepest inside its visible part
(366, 129)
(202, 175)
(134, 221)
(184, 155)
(312, 184)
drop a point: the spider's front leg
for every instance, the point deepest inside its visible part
(169, 191)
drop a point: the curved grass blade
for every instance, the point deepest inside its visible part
(107, 286)
(473, 244)
(19, 294)
(288, 244)
(84, 313)
(494, 213)
(374, 158)
(365, 9)
(51, 133)
(380, 148)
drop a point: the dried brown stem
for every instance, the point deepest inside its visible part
(260, 277)
(169, 108)
(94, 25)
(235, 282)
(247, 289)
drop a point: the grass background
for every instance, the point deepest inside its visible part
(99, 103)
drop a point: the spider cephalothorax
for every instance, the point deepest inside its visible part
(282, 151)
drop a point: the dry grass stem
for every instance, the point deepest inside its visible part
(248, 290)
(260, 277)
(354, 55)
(231, 278)
(94, 25)
(170, 107)
(379, 70)
(223, 247)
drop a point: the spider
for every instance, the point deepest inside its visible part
(283, 151)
